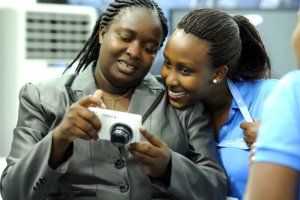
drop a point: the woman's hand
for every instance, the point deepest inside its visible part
(80, 122)
(250, 131)
(154, 155)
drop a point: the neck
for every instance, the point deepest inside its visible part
(106, 87)
(219, 101)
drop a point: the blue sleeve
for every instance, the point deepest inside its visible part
(279, 133)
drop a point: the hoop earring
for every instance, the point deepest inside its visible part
(215, 81)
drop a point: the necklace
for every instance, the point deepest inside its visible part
(115, 99)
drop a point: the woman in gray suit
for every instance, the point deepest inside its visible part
(56, 152)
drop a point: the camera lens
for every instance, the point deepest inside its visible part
(120, 135)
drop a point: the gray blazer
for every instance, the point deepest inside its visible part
(99, 170)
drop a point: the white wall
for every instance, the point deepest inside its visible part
(17, 68)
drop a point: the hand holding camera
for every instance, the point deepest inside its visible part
(79, 121)
(118, 127)
(154, 155)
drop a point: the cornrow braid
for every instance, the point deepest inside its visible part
(234, 42)
(90, 51)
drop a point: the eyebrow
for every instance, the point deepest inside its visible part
(180, 63)
(134, 33)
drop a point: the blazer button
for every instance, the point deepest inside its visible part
(119, 163)
(42, 180)
(124, 187)
(39, 185)
(36, 189)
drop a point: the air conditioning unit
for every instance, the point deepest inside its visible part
(37, 41)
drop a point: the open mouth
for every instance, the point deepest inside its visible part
(125, 65)
(176, 95)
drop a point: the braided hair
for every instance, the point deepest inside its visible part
(234, 42)
(90, 51)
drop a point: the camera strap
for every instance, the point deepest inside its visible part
(153, 106)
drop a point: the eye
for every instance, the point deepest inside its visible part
(167, 64)
(148, 50)
(185, 71)
(125, 39)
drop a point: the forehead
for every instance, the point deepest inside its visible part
(187, 48)
(137, 16)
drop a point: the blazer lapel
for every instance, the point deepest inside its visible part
(142, 98)
(84, 84)
(145, 95)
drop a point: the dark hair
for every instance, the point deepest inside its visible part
(90, 51)
(234, 42)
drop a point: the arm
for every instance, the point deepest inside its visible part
(280, 181)
(30, 168)
(198, 175)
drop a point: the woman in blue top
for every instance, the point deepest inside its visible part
(275, 171)
(207, 49)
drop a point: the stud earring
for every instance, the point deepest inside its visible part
(215, 81)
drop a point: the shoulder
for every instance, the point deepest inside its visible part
(154, 82)
(50, 93)
(287, 88)
(56, 83)
(262, 88)
(265, 86)
(290, 81)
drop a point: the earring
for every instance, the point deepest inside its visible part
(215, 81)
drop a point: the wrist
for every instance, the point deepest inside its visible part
(59, 140)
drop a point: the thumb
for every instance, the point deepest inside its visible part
(98, 94)
(256, 121)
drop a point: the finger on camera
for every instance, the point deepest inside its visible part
(103, 106)
(153, 139)
(88, 100)
(79, 133)
(91, 117)
(88, 129)
(145, 148)
(142, 158)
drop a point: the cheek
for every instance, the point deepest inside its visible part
(164, 72)
(148, 60)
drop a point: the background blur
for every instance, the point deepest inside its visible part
(39, 38)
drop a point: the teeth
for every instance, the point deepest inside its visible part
(177, 93)
(124, 64)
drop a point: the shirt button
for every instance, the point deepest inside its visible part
(119, 163)
(233, 112)
(224, 127)
(124, 187)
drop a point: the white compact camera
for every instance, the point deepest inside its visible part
(118, 127)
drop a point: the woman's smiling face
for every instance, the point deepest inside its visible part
(186, 69)
(129, 46)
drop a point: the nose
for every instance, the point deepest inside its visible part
(134, 50)
(171, 77)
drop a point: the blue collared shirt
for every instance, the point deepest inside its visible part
(279, 133)
(233, 151)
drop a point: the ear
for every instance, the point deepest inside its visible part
(219, 74)
(102, 31)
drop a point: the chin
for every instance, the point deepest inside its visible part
(177, 105)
